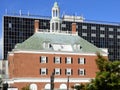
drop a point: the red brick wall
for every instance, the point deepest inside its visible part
(28, 65)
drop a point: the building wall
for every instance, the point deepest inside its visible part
(102, 34)
(26, 67)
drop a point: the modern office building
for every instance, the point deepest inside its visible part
(17, 28)
(52, 59)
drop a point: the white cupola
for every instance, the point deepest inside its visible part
(55, 22)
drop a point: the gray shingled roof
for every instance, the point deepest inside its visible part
(35, 42)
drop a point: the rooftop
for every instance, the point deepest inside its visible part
(58, 42)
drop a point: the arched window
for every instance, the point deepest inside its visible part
(63, 87)
(33, 87)
(47, 87)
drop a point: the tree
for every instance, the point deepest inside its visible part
(26, 88)
(108, 76)
(79, 87)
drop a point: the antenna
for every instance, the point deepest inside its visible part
(63, 14)
(28, 13)
(6, 11)
(20, 12)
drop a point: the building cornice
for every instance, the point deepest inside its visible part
(50, 52)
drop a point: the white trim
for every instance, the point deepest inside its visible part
(68, 53)
(59, 80)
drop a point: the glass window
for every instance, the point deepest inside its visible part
(81, 72)
(10, 25)
(93, 35)
(84, 27)
(110, 29)
(57, 60)
(102, 28)
(68, 71)
(118, 36)
(68, 60)
(93, 28)
(102, 35)
(110, 36)
(43, 59)
(81, 60)
(43, 71)
(84, 34)
(57, 71)
(118, 29)
(63, 25)
(44, 23)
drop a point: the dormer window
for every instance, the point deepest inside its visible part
(47, 45)
(77, 47)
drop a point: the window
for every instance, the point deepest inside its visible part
(84, 27)
(43, 59)
(68, 60)
(110, 29)
(102, 35)
(110, 36)
(81, 72)
(10, 25)
(77, 47)
(57, 60)
(81, 60)
(93, 35)
(63, 25)
(84, 34)
(68, 71)
(44, 23)
(118, 29)
(93, 28)
(102, 28)
(118, 36)
(57, 71)
(47, 45)
(43, 71)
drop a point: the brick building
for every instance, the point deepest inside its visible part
(67, 55)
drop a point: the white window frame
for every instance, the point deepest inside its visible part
(10, 25)
(81, 72)
(93, 34)
(84, 34)
(81, 60)
(102, 35)
(84, 27)
(118, 29)
(57, 71)
(68, 71)
(43, 59)
(57, 60)
(111, 29)
(93, 28)
(43, 71)
(63, 25)
(111, 36)
(68, 60)
(102, 28)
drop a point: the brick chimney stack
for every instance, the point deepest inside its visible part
(73, 28)
(36, 25)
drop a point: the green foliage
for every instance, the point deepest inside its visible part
(26, 88)
(79, 87)
(107, 78)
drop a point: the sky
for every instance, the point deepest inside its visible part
(99, 10)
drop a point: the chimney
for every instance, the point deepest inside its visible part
(73, 28)
(36, 25)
